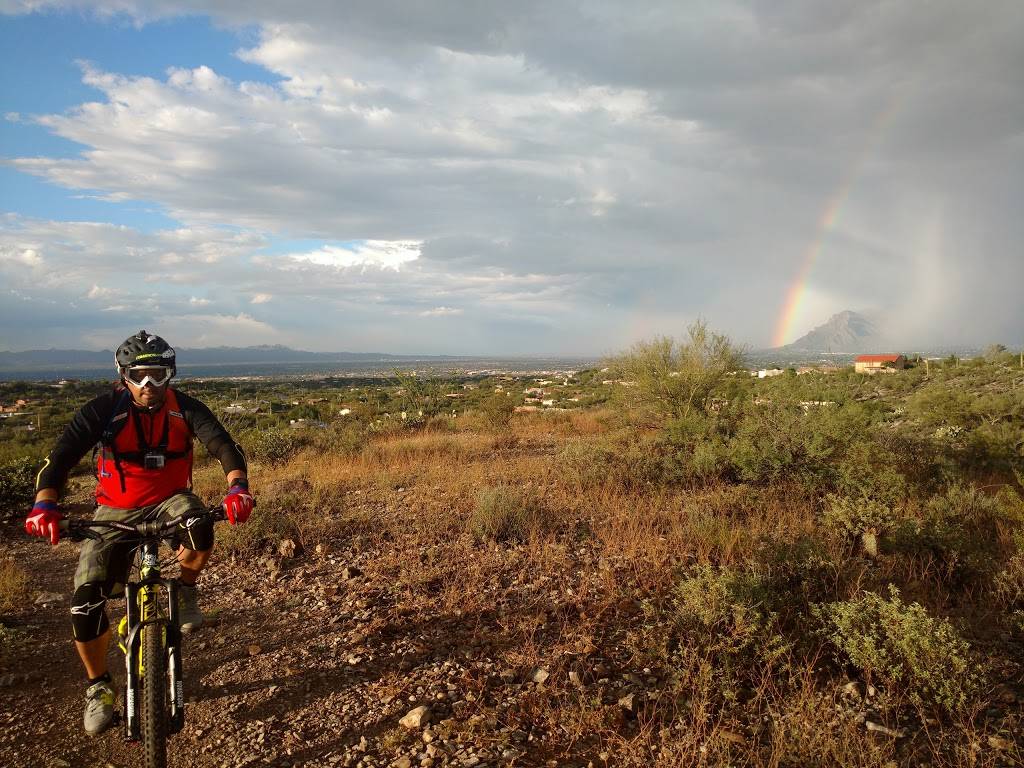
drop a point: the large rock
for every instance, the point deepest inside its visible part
(416, 718)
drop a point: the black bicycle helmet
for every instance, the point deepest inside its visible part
(144, 348)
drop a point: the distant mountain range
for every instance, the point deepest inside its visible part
(73, 358)
(845, 332)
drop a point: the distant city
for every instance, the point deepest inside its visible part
(54, 365)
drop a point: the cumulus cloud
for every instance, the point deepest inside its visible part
(241, 330)
(441, 312)
(377, 253)
(583, 167)
(96, 292)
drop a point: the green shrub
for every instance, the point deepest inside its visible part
(340, 439)
(846, 517)
(798, 576)
(995, 447)
(669, 379)
(904, 649)
(728, 612)
(775, 443)
(1009, 582)
(959, 529)
(628, 464)
(862, 519)
(505, 514)
(274, 445)
(271, 521)
(867, 467)
(17, 486)
(496, 411)
(697, 448)
(941, 404)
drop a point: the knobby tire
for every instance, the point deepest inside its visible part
(154, 698)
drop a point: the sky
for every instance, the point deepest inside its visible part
(534, 177)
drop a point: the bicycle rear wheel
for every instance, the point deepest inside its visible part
(154, 698)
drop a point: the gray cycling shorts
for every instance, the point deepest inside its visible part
(107, 560)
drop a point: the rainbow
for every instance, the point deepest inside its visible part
(826, 223)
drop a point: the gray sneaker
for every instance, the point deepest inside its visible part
(99, 708)
(189, 615)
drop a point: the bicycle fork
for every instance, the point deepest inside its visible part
(142, 614)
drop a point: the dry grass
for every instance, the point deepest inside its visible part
(13, 586)
(589, 583)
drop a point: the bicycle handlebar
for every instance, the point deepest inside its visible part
(144, 529)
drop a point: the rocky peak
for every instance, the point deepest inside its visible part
(846, 331)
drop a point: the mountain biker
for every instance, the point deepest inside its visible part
(142, 431)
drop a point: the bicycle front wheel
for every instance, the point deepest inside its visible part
(154, 697)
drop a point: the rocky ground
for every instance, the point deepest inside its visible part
(395, 638)
(309, 658)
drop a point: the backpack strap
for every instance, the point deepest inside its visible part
(138, 456)
(114, 425)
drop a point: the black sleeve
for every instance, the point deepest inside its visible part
(211, 433)
(79, 437)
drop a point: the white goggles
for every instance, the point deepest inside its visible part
(157, 375)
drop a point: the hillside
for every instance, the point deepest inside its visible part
(584, 587)
(264, 353)
(844, 332)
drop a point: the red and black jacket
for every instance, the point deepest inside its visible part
(123, 434)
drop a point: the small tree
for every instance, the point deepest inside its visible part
(665, 379)
(995, 352)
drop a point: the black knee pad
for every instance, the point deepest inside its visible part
(198, 536)
(88, 612)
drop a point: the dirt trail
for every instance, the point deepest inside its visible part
(311, 665)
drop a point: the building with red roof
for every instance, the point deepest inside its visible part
(879, 363)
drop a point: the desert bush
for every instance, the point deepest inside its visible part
(667, 379)
(798, 576)
(440, 423)
(728, 613)
(1009, 582)
(345, 439)
(867, 467)
(505, 514)
(17, 485)
(273, 445)
(959, 529)
(994, 447)
(940, 404)
(862, 519)
(775, 443)
(13, 586)
(840, 449)
(697, 448)
(613, 460)
(272, 520)
(901, 647)
(848, 517)
(495, 412)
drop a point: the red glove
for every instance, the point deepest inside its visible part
(238, 503)
(44, 520)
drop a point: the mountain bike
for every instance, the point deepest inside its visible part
(149, 634)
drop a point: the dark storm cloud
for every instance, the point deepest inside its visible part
(674, 160)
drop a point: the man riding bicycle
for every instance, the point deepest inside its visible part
(142, 432)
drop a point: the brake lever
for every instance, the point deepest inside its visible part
(81, 534)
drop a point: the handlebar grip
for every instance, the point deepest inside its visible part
(74, 532)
